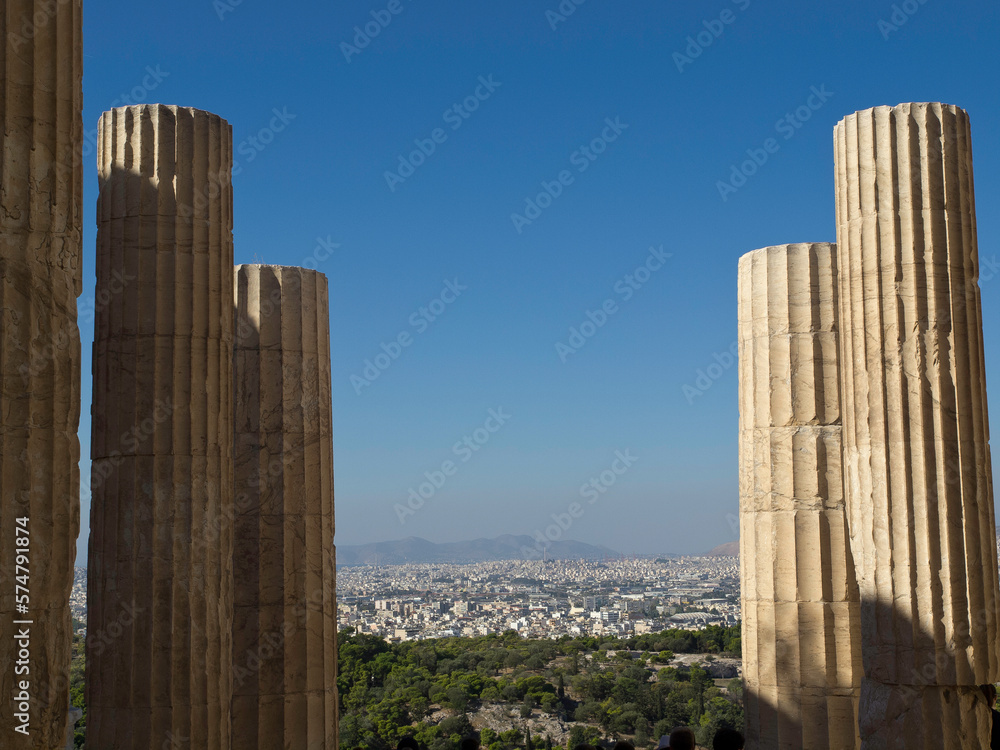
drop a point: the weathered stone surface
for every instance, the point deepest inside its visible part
(284, 562)
(41, 183)
(159, 580)
(918, 485)
(801, 639)
(41, 187)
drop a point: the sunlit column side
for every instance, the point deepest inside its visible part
(801, 650)
(916, 438)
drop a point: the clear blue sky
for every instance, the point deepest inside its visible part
(320, 173)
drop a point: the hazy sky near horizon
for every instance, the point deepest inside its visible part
(407, 166)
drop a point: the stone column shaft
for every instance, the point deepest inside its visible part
(159, 581)
(41, 187)
(801, 640)
(916, 437)
(285, 625)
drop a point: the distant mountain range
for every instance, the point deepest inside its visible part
(729, 549)
(507, 547)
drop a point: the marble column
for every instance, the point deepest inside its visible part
(285, 619)
(160, 580)
(917, 473)
(801, 639)
(41, 186)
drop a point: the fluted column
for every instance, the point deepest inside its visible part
(801, 641)
(285, 626)
(916, 436)
(41, 142)
(161, 519)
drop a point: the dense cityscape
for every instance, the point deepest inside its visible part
(622, 597)
(537, 599)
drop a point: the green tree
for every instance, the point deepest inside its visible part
(549, 703)
(77, 697)
(458, 698)
(700, 681)
(577, 736)
(419, 707)
(459, 725)
(641, 739)
(386, 689)
(527, 706)
(720, 713)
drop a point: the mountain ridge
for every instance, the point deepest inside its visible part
(729, 549)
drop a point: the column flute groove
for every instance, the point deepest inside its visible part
(284, 561)
(916, 439)
(162, 510)
(802, 658)
(41, 189)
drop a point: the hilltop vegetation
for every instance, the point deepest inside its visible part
(576, 689)
(600, 688)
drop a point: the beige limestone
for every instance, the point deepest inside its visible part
(285, 626)
(801, 640)
(41, 188)
(160, 580)
(916, 443)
